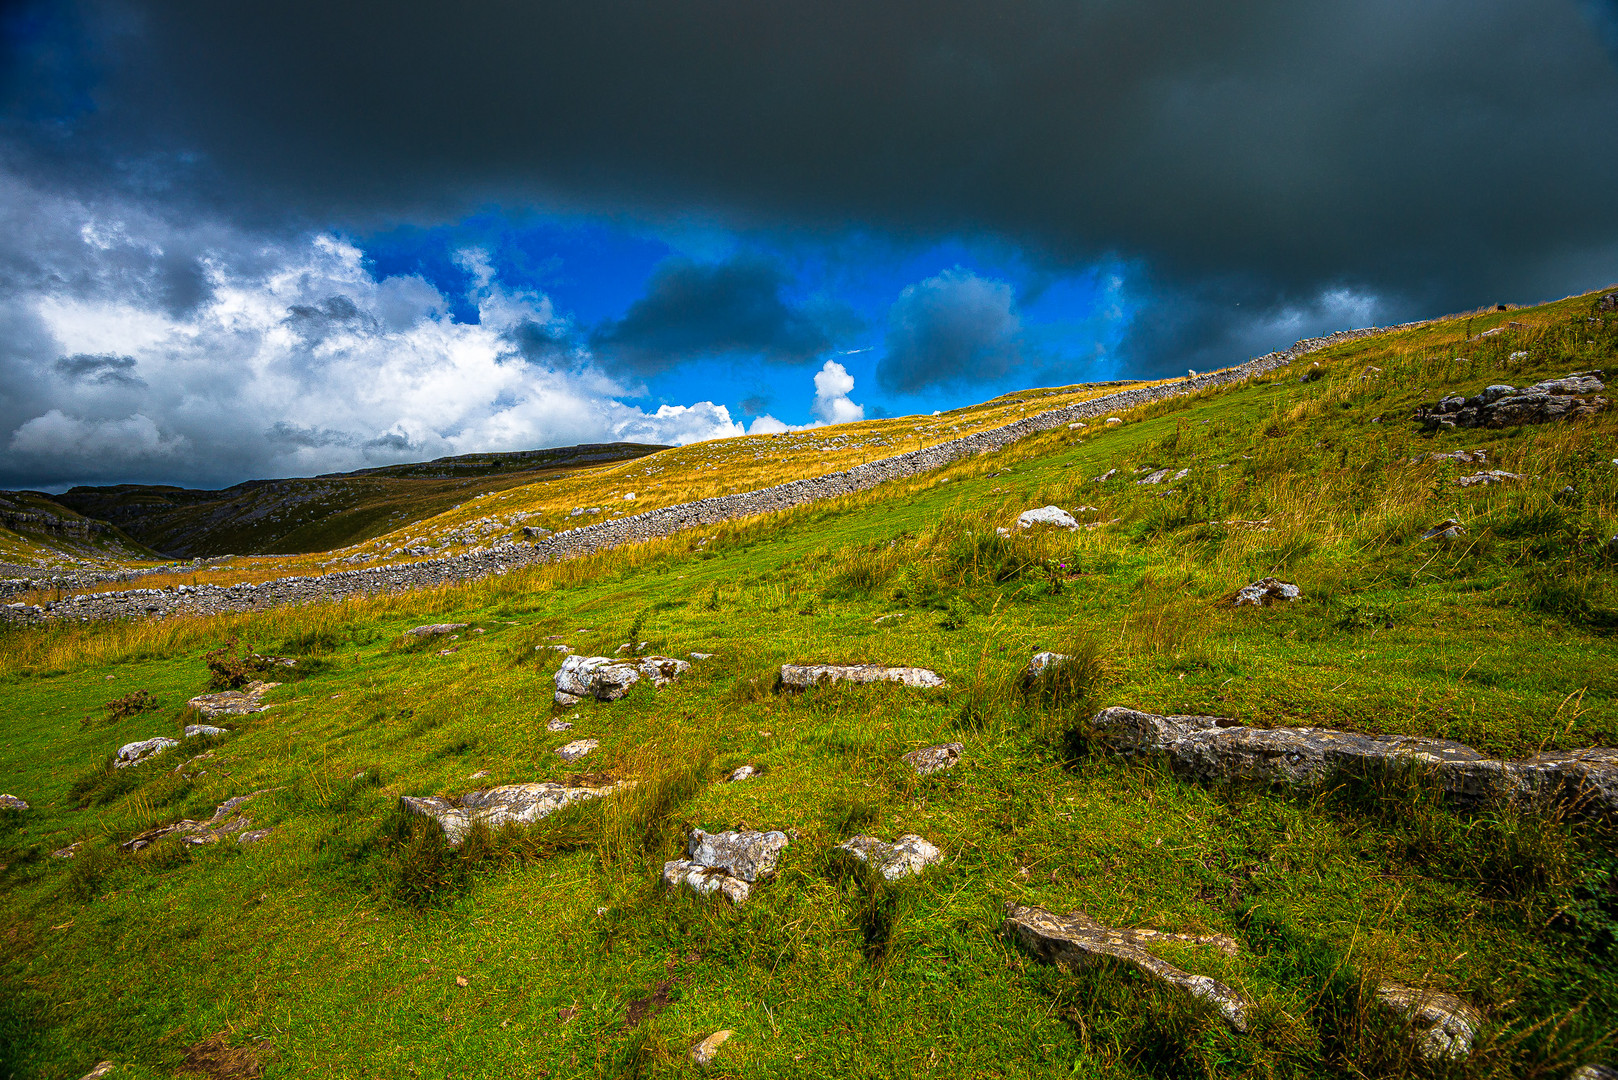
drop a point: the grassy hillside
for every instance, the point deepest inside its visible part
(39, 533)
(351, 941)
(318, 513)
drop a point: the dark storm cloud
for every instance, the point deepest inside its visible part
(1430, 150)
(953, 328)
(696, 310)
(100, 368)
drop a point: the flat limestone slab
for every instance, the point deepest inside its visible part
(1442, 1025)
(1075, 940)
(139, 753)
(803, 676)
(607, 679)
(523, 804)
(225, 822)
(249, 699)
(1216, 748)
(726, 862)
(906, 856)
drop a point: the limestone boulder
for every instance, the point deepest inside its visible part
(606, 679)
(727, 862)
(139, 753)
(198, 731)
(931, 759)
(434, 629)
(1500, 405)
(1442, 1025)
(906, 856)
(1077, 940)
(11, 802)
(1216, 749)
(1267, 591)
(1046, 515)
(804, 676)
(519, 804)
(576, 749)
(249, 699)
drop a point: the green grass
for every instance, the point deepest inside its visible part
(338, 941)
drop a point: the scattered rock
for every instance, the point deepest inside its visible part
(559, 725)
(931, 759)
(1077, 426)
(727, 862)
(1077, 940)
(197, 731)
(139, 753)
(434, 629)
(1505, 406)
(11, 802)
(1448, 529)
(1113, 421)
(252, 836)
(1162, 475)
(702, 655)
(703, 1052)
(98, 1072)
(1266, 591)
(1046, 515)
(746, 772)
(606, 679)
(1041, 663)
(1594, 1071)
(1104, 477)
(69, 851)
(1490, 476)
(479, 775)
(638, 646)
(1442, 1025)
(1469, 457)
(563, 649)
(249, 699)
(576, 749)
(522, 804)
(1218, 749)
(909, 854)
(448, 652)
(803, 676)
(225, 821)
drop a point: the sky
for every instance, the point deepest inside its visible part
(256, 240)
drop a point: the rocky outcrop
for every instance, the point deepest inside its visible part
(139, 753)
(434, 629)
(1267, 591)
(606, 679)
(249, 699)
(728, 862)
(510, 804)
(1047, 515)
(804, 676)
(665, 521)
(906, 856)
(576, 749)
(1488, 477)
(198, 731)
(225, 822)
(11, 802)
(1217, 749)
(1506, 406)
(1077, 940)
(1442, 1025)
(931, 759)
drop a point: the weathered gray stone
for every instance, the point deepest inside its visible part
(1046, 515)
(101, 1070)
(197, 731)
(1266, 591)
(931, 759)
(909, 854)
(804, 676)
(1442, 1025)
(225, 822)
(746, 772)
(249, 699)
(576, 749)
(727, 862)
(1218, 749)
(1488, 477)
(139, 753)
(1593, 1071)
(1506, 406)
(1041, 663)
(521, 804)
(11, 802)
(1449, 529)
(606, 679)
(559, 725)
(434, 629)
(1077, 940)
(704, 1052)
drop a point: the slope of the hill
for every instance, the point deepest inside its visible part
(39, 534)
(349, 939)
(304, 514)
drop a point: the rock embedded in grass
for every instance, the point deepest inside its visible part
(434, 629)
(197, 731)
(1442, 1025)
(1039, 664)
(906, 856)
(1506, 406)
(931, 759)
(703, 1052)
(139, 753)
(1266, 591)
(606, 679)
(1046, 515)
(1449, 529)
(746, 772)
(1594, 1071)
(225, 822)
(249, 699)
(728, 862)
(804, 676)
(11, 802)
(1488, 477)
(576, 749)
(1077, 940)
(559, 724)
(1216, 749)
(520, 804)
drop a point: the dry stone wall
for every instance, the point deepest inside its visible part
(666, 521)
